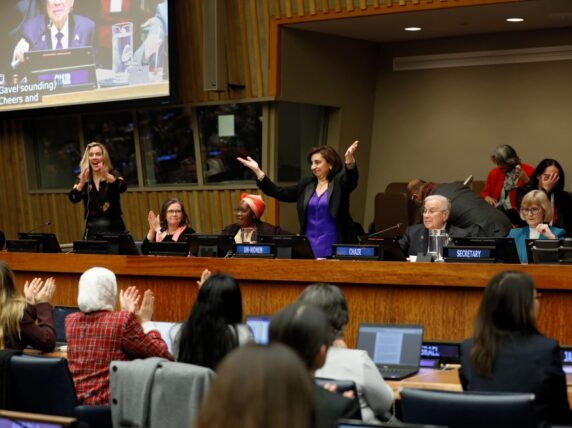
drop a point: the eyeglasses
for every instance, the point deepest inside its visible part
(533, 210)
(432, 212)
(241, 211)
(174, 211)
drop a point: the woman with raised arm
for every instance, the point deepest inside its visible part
(323, 200)
(26, 320)
(172, 225)
(99, 186)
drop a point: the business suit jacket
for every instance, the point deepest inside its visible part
(339, 190)
(524, 363)
(331, 406)
(470, 212)
(416, 238)
(37, 32)
(521, 234)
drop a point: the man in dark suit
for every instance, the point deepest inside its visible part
(436, 211)
(58, 28)
(468, 210)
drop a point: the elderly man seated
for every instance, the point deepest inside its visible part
(436, 209)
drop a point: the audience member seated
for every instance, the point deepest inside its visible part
(536, 211)
(213, 327)
(260, 387)
(549, 177)
(503, 180)
(26, 320)
(375, 396)
(172, 225)
(436, 211)
(468, 210)
(508, 354)
(248, 226)
(305, 329)
(98, 335)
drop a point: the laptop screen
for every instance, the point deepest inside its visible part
(391, 344)
(259, 326)
(60, 313)
(166, 328)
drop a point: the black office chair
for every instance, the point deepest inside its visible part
(342, 386)
(44, 385)
(468, 409)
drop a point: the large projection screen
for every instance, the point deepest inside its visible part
(56, 53)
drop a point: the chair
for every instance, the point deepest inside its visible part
(396, 187)
(468, 409)
(44, 385)
(342, 386)
(157, 393)
(391, 209)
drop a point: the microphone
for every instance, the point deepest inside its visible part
(41, 226)
(362, 238)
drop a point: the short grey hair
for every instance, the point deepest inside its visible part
(331, 300)
(440, 198)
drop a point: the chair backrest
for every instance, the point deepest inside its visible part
(396, 187)
(42, 385)
(342, 386)
(391, 209)
(468, 409)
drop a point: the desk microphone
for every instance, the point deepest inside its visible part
(41, 226)
(362, 238)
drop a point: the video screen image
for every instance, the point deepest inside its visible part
(66, 52)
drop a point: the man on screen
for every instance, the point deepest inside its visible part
(58, 28)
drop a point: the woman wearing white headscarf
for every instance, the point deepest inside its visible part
(98, 335)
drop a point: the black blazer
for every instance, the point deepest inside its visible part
(416, 238)
(262, 229)
(524, 363)
(331, 406)
(339, 189)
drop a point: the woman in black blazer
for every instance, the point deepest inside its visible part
(508, 354)
(323, 200)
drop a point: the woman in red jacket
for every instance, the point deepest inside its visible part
(504, 179)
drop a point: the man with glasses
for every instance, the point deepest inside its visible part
(58, 28)
(436, 211)
(468, 210)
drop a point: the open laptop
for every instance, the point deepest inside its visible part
(394, 348)
(166, 330)
(59, 314)
(259, 324)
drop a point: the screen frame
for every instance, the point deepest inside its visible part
(172, 99)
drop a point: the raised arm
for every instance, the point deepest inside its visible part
(284, 194)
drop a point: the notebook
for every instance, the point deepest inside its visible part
(394, 348)
(60, 313)
(259, 324)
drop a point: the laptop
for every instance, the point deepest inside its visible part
(59, 314)
(394, 348)
(166, 330)
(259, 324)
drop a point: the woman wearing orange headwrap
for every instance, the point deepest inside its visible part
(248, 226)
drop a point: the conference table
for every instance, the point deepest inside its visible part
(443, 297)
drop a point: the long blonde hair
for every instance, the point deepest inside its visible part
(84, 163)
(12, 305)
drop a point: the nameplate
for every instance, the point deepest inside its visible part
(254, 250)
(355, 252)
(482, 254)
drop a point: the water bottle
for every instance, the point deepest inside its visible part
(438, 238)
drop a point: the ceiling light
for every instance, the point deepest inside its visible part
(514, 19)
(412, 28)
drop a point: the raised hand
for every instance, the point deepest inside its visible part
(154, 221)
(252, 165)
(145, 313)
(204, 276)
(31, 289)
(548, 184)
(45, 293)
(349, 156)
(521, 174)
(129, 299)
